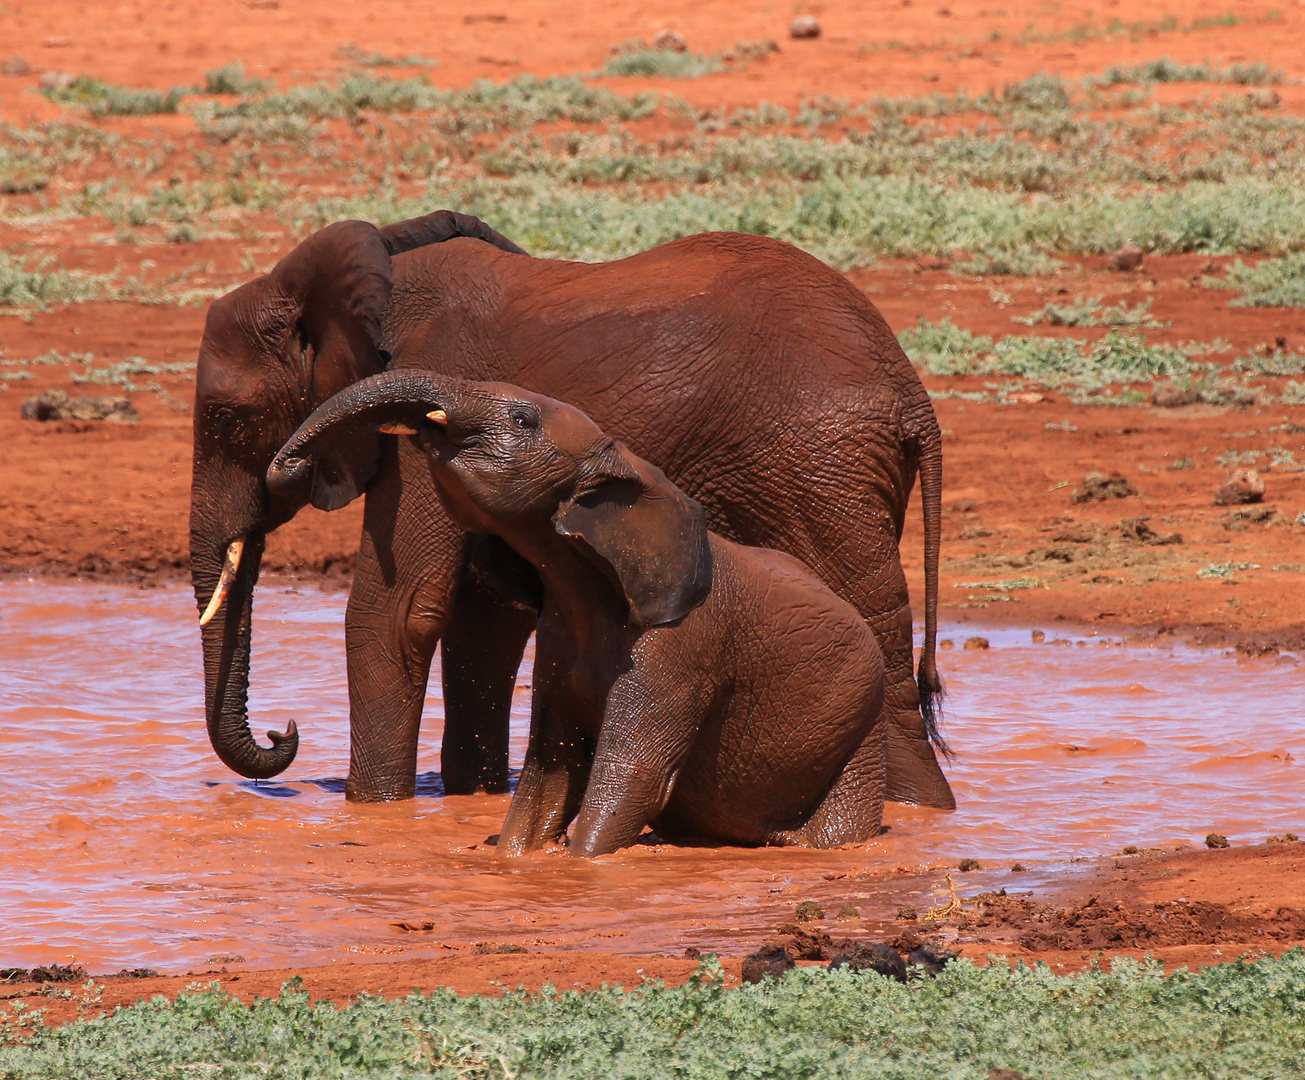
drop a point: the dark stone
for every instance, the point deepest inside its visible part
(804, 26)
(57, 973)
(931, 957)
(1128, 258)
(771, 960)
(878, 957)
(1216, 840)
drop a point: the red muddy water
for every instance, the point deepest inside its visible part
(127, 843)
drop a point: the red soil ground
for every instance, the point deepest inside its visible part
(97, 499)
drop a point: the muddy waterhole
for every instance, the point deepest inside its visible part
(127, 843)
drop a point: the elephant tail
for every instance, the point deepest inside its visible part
(440, 226)
(931, 689)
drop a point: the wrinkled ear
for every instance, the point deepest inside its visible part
(643, 532)
(331, 292)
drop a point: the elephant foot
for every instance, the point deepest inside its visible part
(914, 776)
(358, 791)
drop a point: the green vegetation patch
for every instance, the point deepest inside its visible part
(1120, 357)
(1235, 1020)
(25, 284)
(1088, 311)
(1269, 283)
(231, 79)
(661, 63)
(1165, 70)
(105, 99)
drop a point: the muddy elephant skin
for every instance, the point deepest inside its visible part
(759, 380)
(715, 691)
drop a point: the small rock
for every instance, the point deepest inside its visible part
(56, 80)
(768, 960)
(1170, 395)
(670, 41)
(1038, 637)
(907, 914)
(808, 911)
(1139, 531)
(15, 65)
(693, 953)
(948, 643)
(1285, 838)
(976, 643)
(1244, 486)
(1263, 98)
(804, 26)
(1215, 840)
(969, 864)
(1099, 487)
(1128, 258)
(1018, 868)
(847, 913)
(879, 957)
(57, 405)
(932, 957)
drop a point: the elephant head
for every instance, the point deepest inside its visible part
(529, 469)
(272, 351)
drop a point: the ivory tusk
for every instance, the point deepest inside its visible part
(234, 550)
(439, 416)
(397, 429)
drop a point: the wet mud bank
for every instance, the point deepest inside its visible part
(131, 846)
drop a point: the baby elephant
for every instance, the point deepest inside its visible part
(712, 690)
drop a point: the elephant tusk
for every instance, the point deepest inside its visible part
(234, 550)
(397, 429)
(439, 416)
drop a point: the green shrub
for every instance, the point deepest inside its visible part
(1166, 70)
(1269, 283)
(1235, 1020)
(1089, 312)
(231, 79)
(661, 63)
(104, 99)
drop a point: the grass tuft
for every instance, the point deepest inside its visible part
(105, 99)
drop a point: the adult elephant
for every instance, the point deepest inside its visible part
(761, 381)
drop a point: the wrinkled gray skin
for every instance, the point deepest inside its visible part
(715, 691)
(763, 383)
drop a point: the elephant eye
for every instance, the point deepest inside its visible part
(524, 418)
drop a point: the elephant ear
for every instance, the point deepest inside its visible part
(644, 533)
(324, 302)
(440, 226)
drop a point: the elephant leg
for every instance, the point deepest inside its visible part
(912, 772)
(409, 562)
(852, 810)
(552, 781)
(480, 652)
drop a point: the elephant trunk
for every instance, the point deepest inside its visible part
(398, 400)
(226, 640)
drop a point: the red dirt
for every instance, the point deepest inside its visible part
(1244, 902)
(96, 499)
